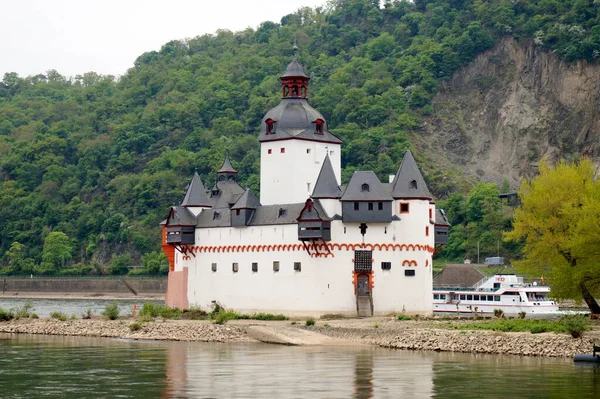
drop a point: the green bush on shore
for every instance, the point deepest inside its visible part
(575, 325)
(111, 311)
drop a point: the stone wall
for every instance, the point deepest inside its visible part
(141, 285)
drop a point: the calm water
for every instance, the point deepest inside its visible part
(73, 367)
(43, 307)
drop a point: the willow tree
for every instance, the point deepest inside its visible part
(559, 219)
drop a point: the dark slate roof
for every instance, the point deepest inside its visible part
(457, 276)
(326, 185)
(270, 214)
(408, 182)
(181, 216)
(196, 193)
(263, 215)
(227, 168)
(247, 201)
(294, 118)
(317, 212)
(216, 217)
(440, 217)
(294, 69)
(230, 193)
(354, 192)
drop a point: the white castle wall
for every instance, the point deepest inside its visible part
(290, 177)
(324, 285)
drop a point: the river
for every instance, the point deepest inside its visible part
(74, 367)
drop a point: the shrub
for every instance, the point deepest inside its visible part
(403, 317)
(59, 316)
(538, 329)
(268, 316)
(575, 324)
(5, 315)
(146, 319)
(135, 326)
(158, 310)
(293, 323)
(498, 313)
(22, 311)
(88, 314)
(310, 322)
(376, 325)
(522, 315)
(73, 317)
(224, 315)
(34, 316)
(111, 311)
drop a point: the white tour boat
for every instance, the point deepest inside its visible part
(506, 292)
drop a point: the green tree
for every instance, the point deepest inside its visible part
(559, 219)
(57, 250)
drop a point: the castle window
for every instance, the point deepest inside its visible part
(237, 212)
(364, 187)
(427, 231)
(386, 265)
(430, 213)
(216, 216)
(410, 273)
(282, 150)
(275, 265)
(294, 91)
(270, 126)
(254, 267)
(297, 266)
(380, 206)
(404, 207)
(269, 151)
(308, 150)
(221, 178)
(213, 266)
(319, 126)
(214, 193)
(282, 212)
(370, 206)
(235, 267)
(413, 184)
(356, 206)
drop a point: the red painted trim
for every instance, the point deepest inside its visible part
(302, 139)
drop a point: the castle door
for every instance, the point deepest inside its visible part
(363, 272)
(362, 286)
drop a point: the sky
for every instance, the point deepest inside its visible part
(78, 36)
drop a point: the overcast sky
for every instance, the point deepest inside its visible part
(106, 36)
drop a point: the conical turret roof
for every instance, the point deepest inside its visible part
(227, 168)
(295, 69)
(247, 201)
(326, 185)
(408, 182)
(196, 194)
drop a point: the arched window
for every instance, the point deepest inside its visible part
(364, 187)
(319, 126)
(294, 91)
(221, 178)
(413, 184)
(270, 126)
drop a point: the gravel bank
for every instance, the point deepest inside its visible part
(389, 333)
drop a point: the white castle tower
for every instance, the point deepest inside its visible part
(294, 141)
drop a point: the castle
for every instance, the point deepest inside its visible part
(307, 246)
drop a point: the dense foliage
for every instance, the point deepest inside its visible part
(559, 219)
(89, 164)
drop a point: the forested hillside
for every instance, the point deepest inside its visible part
(90, 164)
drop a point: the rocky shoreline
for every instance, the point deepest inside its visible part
(384, 332)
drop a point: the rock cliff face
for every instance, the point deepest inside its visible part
(497, 117)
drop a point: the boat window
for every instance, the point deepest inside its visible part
(475, 297)
(436, 296)
(497, 298)
(489, 297)
(442, 296)
(469, 297)
(462, 297)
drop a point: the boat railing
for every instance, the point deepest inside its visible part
(446, 287)
(481, 282)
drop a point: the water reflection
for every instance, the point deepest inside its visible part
(58, 367)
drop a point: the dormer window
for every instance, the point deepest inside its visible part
(216, 216)
(319, 126)
(282, 212)
(413, 184)
(270, 126)
(364, 188)
(214, 193)
(221, 178)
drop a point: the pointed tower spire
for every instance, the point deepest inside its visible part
(294, 80)
(227, 168)
(326, 185)
(408, 182)
(196, 194)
